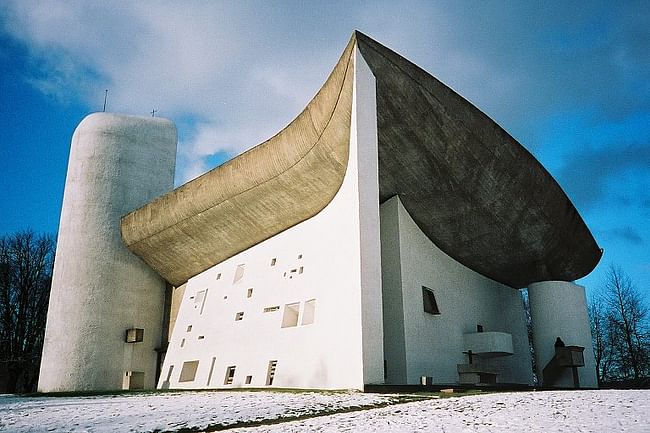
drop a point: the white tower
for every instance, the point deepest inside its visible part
(100, 289)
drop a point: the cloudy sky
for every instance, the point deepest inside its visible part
(571, 83)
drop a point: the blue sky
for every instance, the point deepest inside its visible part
(570, 82)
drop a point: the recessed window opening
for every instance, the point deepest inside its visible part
(271, 309)
(429, 301)
(189, 328)
(309, 312)
(230, 375)
(201, 337)
(219, 276)
(299, 256)
(290, 317)
(294, 270)
(302, 268)
(270, 374)
(479, 328)
(239, 273)
(273, 261)
(199, 301)
(211, 370)
(239, 316)
(249, 293)
(169, 373)
(188, 372)
(182, 342)
(249, 379)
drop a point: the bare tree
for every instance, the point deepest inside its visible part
(620, 329)
(25, 276)
(600, 337)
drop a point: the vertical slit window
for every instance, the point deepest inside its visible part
(230, 375)
(270, 374)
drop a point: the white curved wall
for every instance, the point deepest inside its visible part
(99, 289)
(232, 315)
(559, 309)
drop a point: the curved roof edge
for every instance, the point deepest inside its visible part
(475, 191)
(266, 190)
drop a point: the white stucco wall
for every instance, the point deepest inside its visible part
(99, 289)
(433, 344)
(559, 309)
(335, 259)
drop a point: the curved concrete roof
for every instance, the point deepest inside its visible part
(275, 185)
(471, 187)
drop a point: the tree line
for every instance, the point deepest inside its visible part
(620, 330)
(26, 262)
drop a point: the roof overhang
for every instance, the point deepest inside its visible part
(472, 189)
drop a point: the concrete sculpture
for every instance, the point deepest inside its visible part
(378, 239)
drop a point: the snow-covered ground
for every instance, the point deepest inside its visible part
(169, 411)
(520, 412)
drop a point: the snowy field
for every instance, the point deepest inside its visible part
(521, 412)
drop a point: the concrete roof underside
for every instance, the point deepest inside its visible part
(471, 188)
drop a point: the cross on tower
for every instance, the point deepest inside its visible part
(153, 112)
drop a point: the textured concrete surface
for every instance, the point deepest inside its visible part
(99, 288)
(469, 186)
(274, 186)
(472, 188)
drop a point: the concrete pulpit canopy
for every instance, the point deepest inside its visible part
(477, 193)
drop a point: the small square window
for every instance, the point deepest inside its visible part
(429, 301)
(189, 328)
(219, 276)
(239, 316)
(299, 256)
(249, 379)
(273, 261)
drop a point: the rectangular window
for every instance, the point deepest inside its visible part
(182, 342)
(249, 293)
(271, 309)
(201, 337)
(479, 328)
(188, 372)
(239, 273)
(189, 328)
(230, 375)
(290, 317)
(169, 373)
(273, 261)
(270, 374)
(302, 268)
(299, 256)
(429, 301)
(308, 312)
(249, 379)
(219, 276)
(239, 316)
(134, 335)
